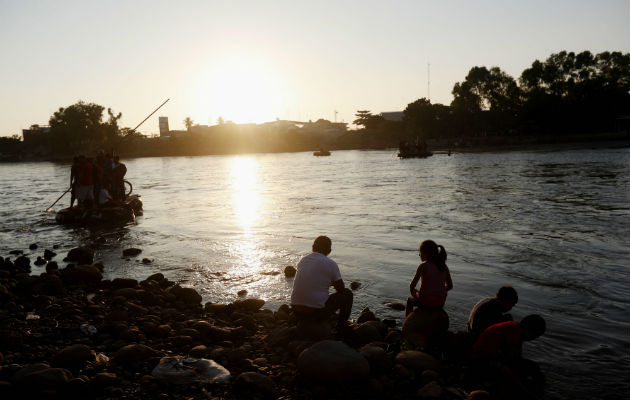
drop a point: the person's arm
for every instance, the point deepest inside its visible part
(416, 278)
(449, 281)
(338, 285)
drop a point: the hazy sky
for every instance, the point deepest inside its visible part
(254, 61)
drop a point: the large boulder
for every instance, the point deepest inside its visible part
(83, 274)
(81, 255)
(123, 283)
(250, 305)
(256, 384)
(290, 271)
(41, 376)
(421, 326)
(132, 354)
(370, 331)
(131, 252)
(333, 362)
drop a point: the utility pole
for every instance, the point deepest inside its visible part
(429, 81)
(335, 116)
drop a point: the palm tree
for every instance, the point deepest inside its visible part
(188, 122)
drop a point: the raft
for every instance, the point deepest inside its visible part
(321, 153)
(103, 215)
(415, 155)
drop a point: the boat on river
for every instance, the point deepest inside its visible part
(414, 150)
(321, 153)
(122, 214)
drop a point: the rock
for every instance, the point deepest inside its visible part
(428, 375)
(105, 379)
(122, 283)
(39, 261)
(33, 246)
(81, 255)
(431, 390)
(314, 330)
(187, 295)
(354, 285)
(132, 354)
(376, 356)
(83, 274)
(250, 305)
(366, 315)
(52, 266)
(23, 263)
(241, 292)
(73, 357)
(421, 326)
(479, 395)
(50, 285)
(393, 336)
(146, 261)
(198, 351)
(159, 277)
(290, 271)
(41, 376)
(255, 383)
(396, 306)
(15, 252)
(128, 293)
(131, 252)
(282, 336)
(333, 362)
(216, 308)
(417, 360)
(49, 254)
(370, 331)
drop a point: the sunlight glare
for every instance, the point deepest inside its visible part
(245, 190)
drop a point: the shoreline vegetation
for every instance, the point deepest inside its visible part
(567, 98)
(68, 333)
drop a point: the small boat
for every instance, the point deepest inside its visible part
(413, 150)
(122, 214)
(321, 153)
(415, 155)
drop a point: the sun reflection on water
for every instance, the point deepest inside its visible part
(245, 191)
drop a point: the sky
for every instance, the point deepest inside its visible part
(255, 61)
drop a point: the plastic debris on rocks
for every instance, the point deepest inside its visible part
(31, 316)
(183, 370)
(88, 329)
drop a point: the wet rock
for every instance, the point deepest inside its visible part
(256, 384)
(290, 271)
(159, 277)
(73, 357)
(333, 362)
(146, 261)
(122, 283)
(187, 295)
(396, 306)
(421, 326)
(249, 305)
(131, 252)
(389, 322)
(81, 255)
(479, 395)
(366, 315)
(133, 354)
(52, 266)
(50, 285)
(241, 292)
(417, 360)
(217, 308)
(370, 331)
(376, 356)
(49, 254)
(354, 285)
(105, 379)
(199, 351)
(314, 330)
(15, 252)
(83, 274)
(33, 246)
(39, 261)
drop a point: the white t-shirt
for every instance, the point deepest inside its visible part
(315, 273)
(103, 196)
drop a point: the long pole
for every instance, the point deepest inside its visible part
(150, 114)
(63, 194)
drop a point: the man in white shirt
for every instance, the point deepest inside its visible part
(315, 274)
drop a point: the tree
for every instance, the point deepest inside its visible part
(220, 121)
(81, 126)
(188, 123)
(367, 120)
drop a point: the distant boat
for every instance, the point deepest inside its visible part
(321, 153)
(415, 155)
(411, 150)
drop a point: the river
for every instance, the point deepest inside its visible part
(553, 224)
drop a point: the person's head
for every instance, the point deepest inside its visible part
(533, 326)
(431, 251)
(507, 297)
(323, 245)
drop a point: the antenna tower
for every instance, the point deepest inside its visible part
(429, 81)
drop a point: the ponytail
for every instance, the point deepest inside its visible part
(435, 253)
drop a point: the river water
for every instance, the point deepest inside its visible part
(554, 224)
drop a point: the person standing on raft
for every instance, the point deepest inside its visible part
(434, 276)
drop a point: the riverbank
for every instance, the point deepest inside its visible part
(68, 333)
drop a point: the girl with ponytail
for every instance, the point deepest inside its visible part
(434, 276)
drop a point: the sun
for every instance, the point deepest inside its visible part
(241, 89)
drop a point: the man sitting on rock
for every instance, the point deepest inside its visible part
(491, 310)
(315, 274)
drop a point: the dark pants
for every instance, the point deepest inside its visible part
(341, 301)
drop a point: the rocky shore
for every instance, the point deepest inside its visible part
(68, 333)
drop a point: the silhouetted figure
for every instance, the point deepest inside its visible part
(497, 356)
(74, 170)
(315, 274)
(434, 276)
(492, 311)
(119, 170)
(85, 183)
